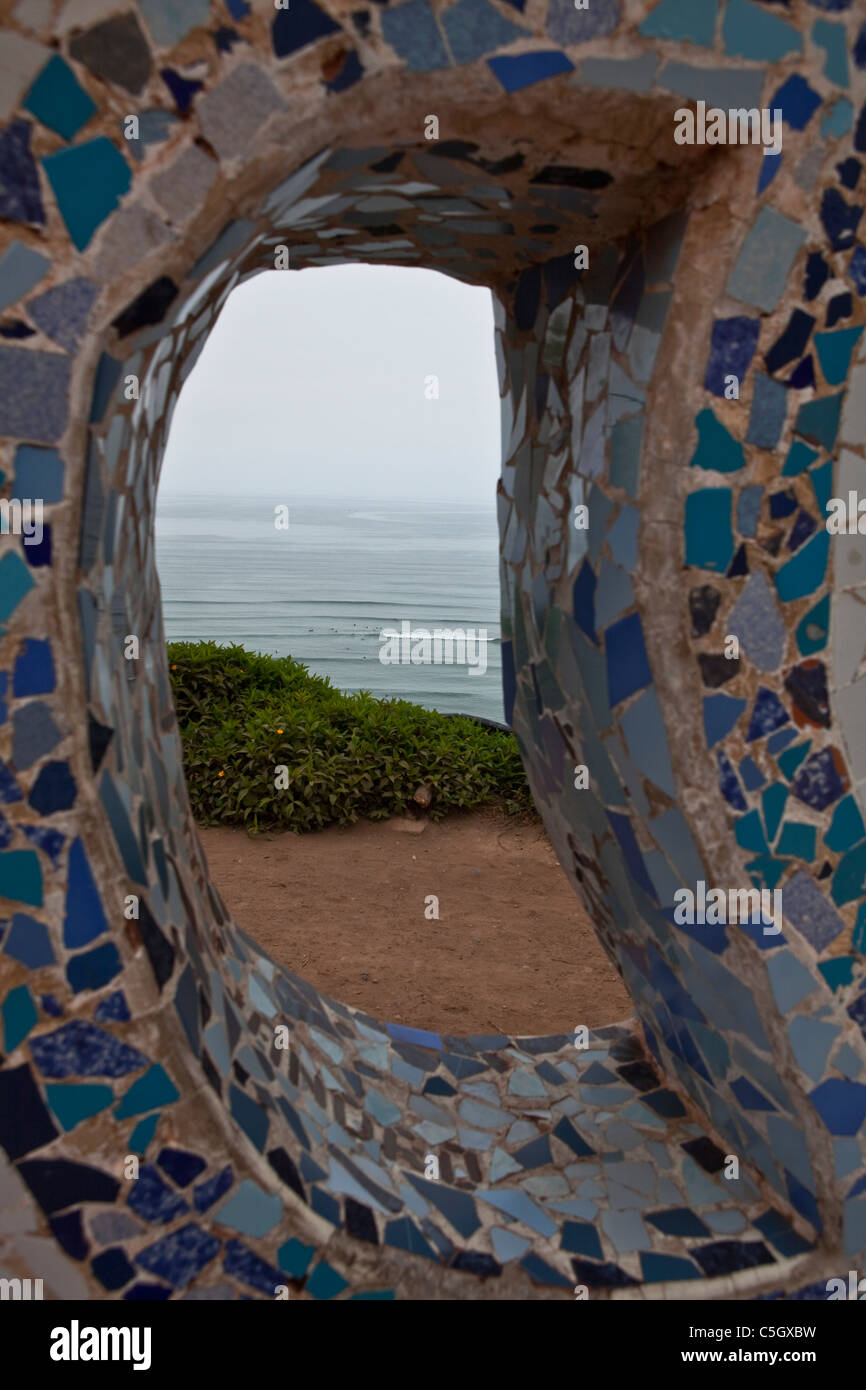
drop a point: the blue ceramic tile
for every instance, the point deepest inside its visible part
(797, 101)
(412, 31)
(841, 1105)
(767, 417)
(28, 941)
(525, 69)
(809, 911)
(62, 312)
(20, 194)
(732, 348)
(84, 918)
(183, 1254)
(628, 667)
(761, 270)
(473, 28)
(20, 269)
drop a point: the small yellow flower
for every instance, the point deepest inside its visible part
(220, 774)
(279, 731)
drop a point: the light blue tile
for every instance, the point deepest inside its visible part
(251, 1210)
(20, 270)
(761, 271)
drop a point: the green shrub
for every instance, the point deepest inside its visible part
(242, 715)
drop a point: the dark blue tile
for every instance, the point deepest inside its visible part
(53, 790)
(33, 673)
(732, 348)
(20, 196)
(180, 1256)
(112, 1269)
(206, 1193)
(303, 24)
(628, 668)
(525, 69)
(57, 1183)
(79, 1048)
(152, 1199)
(728, 1256)
(181, 1166)
(25, 1123)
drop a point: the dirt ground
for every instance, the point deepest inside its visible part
(513, 950)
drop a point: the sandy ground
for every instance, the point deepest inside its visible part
(513, 950)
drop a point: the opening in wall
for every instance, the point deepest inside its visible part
(328, 500)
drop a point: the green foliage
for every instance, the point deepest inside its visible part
(349, 757)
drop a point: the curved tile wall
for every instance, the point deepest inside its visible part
(678, 331)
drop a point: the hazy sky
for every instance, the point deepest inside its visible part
(312, 382)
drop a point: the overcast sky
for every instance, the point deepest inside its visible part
(312, 383)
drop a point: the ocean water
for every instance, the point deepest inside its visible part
(323, 590)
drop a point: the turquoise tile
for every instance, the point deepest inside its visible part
(834, 353)
(21, 876)
(839, 972)
(791, 759)
(749, 833)
(799, 457)
(709, 537)
(761, 271)
(57, 99)
(88, 182)
(750, 32)
(837, 119)
(797, 839)
(773, 804)
(831, 37)
(813, 631)
(805, 571)
(73, 1103)
(717, 449)
(691, 20)
(19, 1016)
(822, 484)
(846, 827)
(15, 581)
(325, 1282)
(294, 1258)
(153, 1089)
(143, 1133)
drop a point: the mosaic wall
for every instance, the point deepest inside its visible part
(695, 381)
